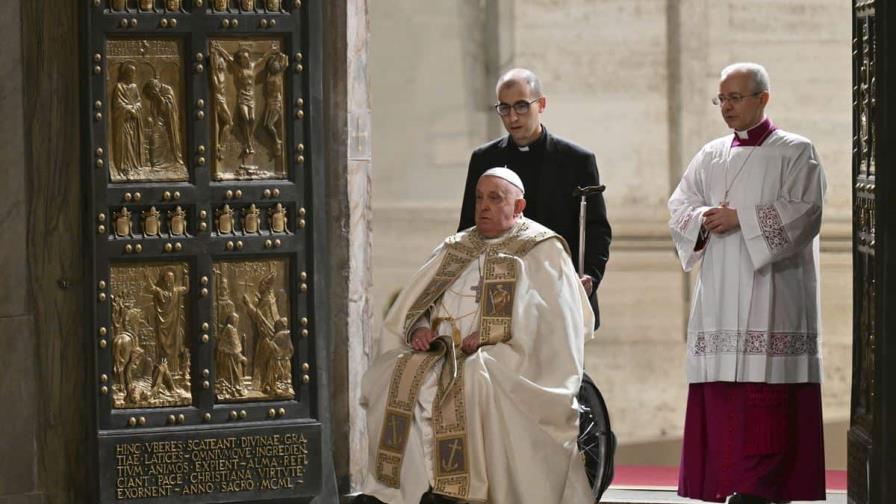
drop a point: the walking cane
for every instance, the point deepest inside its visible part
(584, 192)
(596, 439)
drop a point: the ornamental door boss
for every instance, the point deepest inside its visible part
(204, 189)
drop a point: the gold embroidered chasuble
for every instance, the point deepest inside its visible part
(456, 444)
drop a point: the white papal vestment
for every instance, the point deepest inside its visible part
(518, 395)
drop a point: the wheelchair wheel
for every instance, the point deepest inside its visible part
(597, 443)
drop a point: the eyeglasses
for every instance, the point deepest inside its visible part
(734, 98)
(520, 107)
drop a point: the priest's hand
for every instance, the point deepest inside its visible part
(470, 343)
(587, 283)
(421, 338)
(720, 220)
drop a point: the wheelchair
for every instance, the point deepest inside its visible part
(596, 441)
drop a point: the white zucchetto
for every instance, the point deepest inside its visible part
(506, 174)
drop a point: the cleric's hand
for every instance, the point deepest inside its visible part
(720, 220)
(421, 338)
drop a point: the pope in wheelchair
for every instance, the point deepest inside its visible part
(472, 394)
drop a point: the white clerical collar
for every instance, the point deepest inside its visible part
(745, 134)
(523, 148)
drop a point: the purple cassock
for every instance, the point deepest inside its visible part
(753, 438)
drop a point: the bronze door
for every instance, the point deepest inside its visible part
(871, 449)
(206, 195)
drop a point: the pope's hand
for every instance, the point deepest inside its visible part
(421, 338)
(470, 343)
(587, 283)
(720, 220)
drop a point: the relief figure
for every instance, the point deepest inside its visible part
(244, 79)
(169, 319)
(273, 5)
(229, 359)
(283, 354)
(165, 144)
(273, 94)
(223, 119)
(246, 90)
(269, 346)
(127, 127)
(224, 305)
(127, 355)
(149, 356)
(272, 355)
(145, 88)
(254, 351)
(243, 69)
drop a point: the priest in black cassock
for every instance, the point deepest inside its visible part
(551, 168)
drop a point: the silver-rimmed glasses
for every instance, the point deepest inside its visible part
(734, 98)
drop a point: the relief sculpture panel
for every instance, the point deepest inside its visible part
(253, 348)
(246, 79)
(150, 352)
(145, 126)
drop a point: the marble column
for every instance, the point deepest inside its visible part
(358, 186)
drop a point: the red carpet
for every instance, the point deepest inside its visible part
(667, 477)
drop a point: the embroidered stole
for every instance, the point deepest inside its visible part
(450, 454)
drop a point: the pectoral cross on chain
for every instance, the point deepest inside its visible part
(478, 289)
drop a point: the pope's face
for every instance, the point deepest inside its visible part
(751, 109)
(498, 206)
(523, 128)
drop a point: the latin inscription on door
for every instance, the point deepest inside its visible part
(221, 465)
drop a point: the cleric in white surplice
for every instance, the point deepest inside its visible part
(503, 428)
(748, 212)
